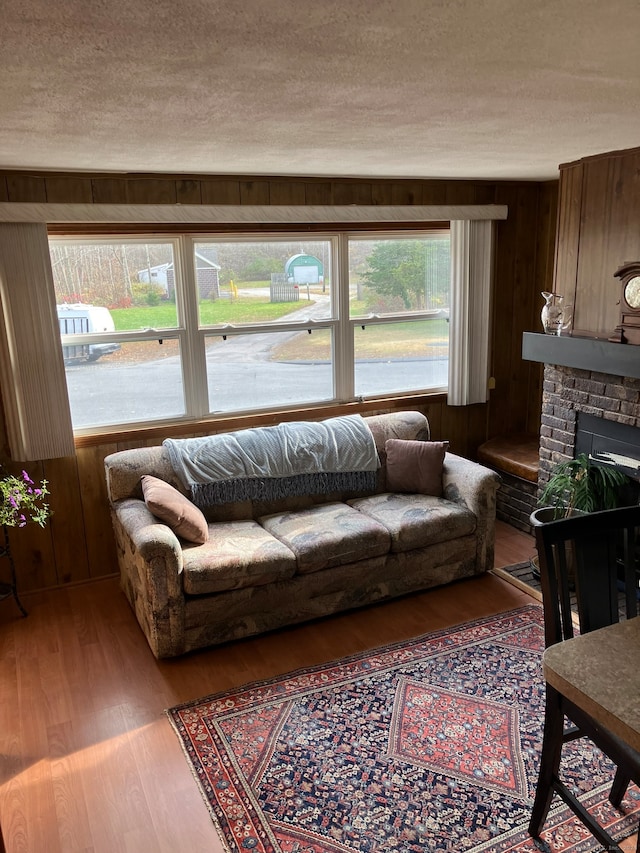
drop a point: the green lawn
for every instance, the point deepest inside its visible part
(378, 341)
(222, 311)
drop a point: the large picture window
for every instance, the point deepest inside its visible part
(188, 327)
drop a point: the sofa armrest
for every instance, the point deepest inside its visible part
(151, 563)
(474, 486)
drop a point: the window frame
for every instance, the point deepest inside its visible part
(191, 334)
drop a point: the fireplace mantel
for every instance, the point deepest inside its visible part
(582, 353)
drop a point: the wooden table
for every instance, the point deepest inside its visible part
(600, 673)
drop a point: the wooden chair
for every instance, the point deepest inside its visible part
(592, 553)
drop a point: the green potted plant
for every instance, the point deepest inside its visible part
(579, 485)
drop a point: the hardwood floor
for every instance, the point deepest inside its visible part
(89, 762)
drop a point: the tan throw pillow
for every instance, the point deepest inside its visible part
(177, 511)
(415, 466)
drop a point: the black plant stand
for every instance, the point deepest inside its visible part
(8, 590)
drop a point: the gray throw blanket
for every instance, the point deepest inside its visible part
(266, 463)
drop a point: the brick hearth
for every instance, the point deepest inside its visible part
(515, 458)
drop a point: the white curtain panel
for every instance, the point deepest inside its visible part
(469, 330)
(34, 388)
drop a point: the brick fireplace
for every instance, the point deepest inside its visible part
(590, 404)
(567, 391)
(592, 376)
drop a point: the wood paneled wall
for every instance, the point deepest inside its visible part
(598, 231)
(77, 545)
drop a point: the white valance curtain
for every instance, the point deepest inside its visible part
(34, 388)
(469, 329)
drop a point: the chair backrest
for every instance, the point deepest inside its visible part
(589, 556)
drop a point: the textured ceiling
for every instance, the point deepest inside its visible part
(379, 88)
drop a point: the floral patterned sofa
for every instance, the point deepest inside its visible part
(270, 564)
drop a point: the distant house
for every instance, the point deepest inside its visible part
(156, 275)
(304, 269)
(207, 275)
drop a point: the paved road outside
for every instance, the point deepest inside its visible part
(240, 375)
(101, 393)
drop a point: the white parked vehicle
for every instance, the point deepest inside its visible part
(79, 319)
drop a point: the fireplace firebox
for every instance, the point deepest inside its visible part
(609, 443)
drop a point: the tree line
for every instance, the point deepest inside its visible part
(390, 274)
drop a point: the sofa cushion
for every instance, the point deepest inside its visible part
(176, 510)
(328, 535)
(237, 554)
(414, 521)
(415, 466)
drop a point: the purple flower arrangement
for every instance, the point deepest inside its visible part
(22, 501)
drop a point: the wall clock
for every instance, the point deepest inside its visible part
(628, 329)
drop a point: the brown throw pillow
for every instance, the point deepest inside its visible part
(415, 466)
(177, 511)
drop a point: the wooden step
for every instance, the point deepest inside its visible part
(516, 454)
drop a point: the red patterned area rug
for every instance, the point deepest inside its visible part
(425, 745)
